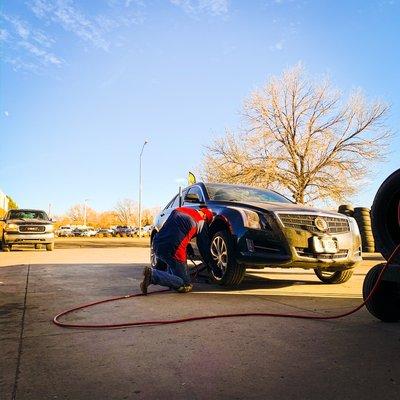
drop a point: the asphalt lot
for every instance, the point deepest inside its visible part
(239, 358)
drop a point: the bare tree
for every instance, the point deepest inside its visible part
(302, 137)
(126, 211)
(76, 215)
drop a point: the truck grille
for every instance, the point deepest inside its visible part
(306, 222)
(32, 228)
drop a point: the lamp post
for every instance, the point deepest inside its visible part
(140, 189)
(84, 212)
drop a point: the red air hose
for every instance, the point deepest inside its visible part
(198, 318)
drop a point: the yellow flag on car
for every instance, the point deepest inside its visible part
(191, 178)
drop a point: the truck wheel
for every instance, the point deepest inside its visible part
(385, 302)
(50, 246)
(333, 276)
(5, 246)
(225, 270)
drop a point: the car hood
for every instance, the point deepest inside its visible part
(281, 207)
(28, 221)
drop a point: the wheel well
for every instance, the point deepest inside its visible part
(218, 225)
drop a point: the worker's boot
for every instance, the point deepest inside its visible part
(185, 288)
(146, 280)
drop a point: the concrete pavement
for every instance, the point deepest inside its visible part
(256, 358)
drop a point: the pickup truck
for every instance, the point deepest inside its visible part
(23, 226)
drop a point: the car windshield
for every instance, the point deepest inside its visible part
(27, 214)
(221, 192)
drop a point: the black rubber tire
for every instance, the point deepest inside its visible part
(385, 302)
(50, 246)
(384, 216)
(345, 207)
(335, 277)
(361, 210)
(5, 247)
(234, 272)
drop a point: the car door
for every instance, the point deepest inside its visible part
(164, 214)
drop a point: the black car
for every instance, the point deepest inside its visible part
(256, 228)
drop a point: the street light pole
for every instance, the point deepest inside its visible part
(84, 212)
(140, 189)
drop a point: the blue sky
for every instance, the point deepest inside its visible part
(84, 83)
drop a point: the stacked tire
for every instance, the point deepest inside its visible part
(346, 209)
(363, 217)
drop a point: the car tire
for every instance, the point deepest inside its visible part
(385, 302)
(50, 246)
(333, 277)
(224, 269)
(384, 216)
(4, 246)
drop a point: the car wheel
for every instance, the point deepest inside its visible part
(224, 269)
(333, 276)
(385, 302)
(5, 246)
(50, 246)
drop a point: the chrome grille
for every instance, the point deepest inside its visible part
(32, 228)
(306, 222)
(305, 252)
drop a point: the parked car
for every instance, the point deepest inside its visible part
(103, 232)
(24, 226)
(146, 231)
(64, 231)
(123, 231)
(256, 228)
(84, 232)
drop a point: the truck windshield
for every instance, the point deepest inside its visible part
(27, 214)
(221, 192)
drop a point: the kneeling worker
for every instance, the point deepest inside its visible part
(170, 245)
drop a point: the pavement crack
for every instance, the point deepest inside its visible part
(21, 336)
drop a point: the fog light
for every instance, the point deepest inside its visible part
(250, 245)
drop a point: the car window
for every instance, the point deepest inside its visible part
(238, 193)
(170, 204)
(198, 191)
(27, 214)
(175, 204)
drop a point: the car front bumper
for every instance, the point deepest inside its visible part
(28, 238)
(292, 249)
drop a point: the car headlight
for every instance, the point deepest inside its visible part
(354, 226)
(11, 228)
(251, 219)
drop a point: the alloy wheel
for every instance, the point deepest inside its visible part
(219, 253)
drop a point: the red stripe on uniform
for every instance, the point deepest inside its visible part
(180, 254)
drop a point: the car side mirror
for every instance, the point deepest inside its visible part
(192, 198)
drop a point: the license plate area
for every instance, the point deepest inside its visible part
(324, 245)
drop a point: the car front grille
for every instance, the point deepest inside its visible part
(32, 228)
(306, 222)
(305, 252)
